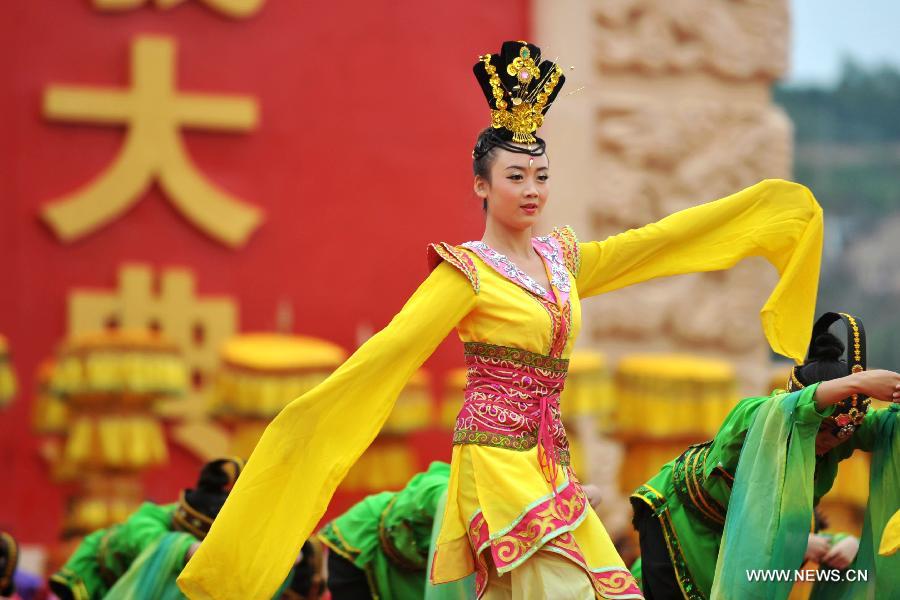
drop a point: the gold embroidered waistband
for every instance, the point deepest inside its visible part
(524, 357)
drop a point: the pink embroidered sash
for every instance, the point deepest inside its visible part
(512, 402)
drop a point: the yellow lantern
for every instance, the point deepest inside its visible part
(261, 373)
(673, 395)
(50, 414)
(7, 377)
(588, 390)
(110, 382)
(665, 402)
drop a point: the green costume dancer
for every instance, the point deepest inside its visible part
(165, 531)
(744, 500)
(380, 547)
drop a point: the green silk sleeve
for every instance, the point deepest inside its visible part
(152, 574)
(104, 555)
(80, 578)
(729, 440)
(354, 534)
(143, 528)
(407, 523)
(775, 471)
(882, 572)
(388, 534)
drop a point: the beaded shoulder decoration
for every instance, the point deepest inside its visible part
(568, 241)
(456, 257)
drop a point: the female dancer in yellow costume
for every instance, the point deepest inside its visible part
(516, 514)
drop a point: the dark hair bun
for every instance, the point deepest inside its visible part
(826, 347)
(218, 475)
(487, 140)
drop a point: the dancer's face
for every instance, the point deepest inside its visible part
(517, 190)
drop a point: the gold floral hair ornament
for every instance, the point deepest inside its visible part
(519, 88)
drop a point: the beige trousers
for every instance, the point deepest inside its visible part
(544, 575)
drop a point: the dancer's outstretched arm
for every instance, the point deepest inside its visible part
(307, 450)
(778, 220)
(879, 384)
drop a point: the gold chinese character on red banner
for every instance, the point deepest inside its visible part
(236, 9)
(154, 112)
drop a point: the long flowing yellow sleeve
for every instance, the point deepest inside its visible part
(308, 448)
(778, 220)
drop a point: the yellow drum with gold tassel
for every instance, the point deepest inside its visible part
(50, 414)
(260, 374)
(586, 403)
(390, 462)
(665, 402)
(110, 382)
(588, 390)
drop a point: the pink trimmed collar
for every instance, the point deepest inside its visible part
(552, 257)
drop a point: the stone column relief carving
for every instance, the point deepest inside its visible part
(682, 116)
(676, 111)
(656, 158)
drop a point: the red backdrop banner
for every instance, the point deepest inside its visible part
(368, 113)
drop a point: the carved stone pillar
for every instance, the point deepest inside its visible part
(676, 111)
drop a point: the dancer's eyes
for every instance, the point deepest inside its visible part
(519, 177)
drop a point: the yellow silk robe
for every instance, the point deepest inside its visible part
(309, 447)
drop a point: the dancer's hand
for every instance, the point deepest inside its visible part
(880, 384)
(842, 554)
(816, 548)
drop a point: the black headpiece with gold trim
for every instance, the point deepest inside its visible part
(9, 559)
(519, 88)
(848, 414)
(198, 507)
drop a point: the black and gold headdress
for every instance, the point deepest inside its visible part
(519, 87)
(848, 414)
(198, 508)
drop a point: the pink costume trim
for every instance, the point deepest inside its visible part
(547, 525)
(609, 582)
(512, 402)
(568, 242)
(549, 248)
(503, 265)
(556, 300)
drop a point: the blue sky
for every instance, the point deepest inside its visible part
(826, 30)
